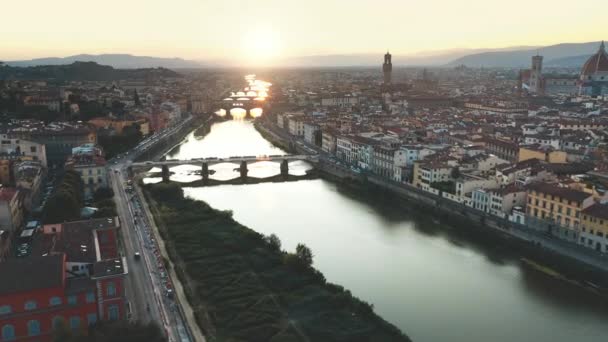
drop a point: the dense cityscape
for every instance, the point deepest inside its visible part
(160, 199)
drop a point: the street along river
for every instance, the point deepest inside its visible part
(420, 274)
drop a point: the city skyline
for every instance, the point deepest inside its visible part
(214, 31)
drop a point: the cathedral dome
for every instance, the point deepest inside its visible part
(596, 63)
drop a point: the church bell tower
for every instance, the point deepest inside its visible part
(387, 68)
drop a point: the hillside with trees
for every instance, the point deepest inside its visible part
(82, 71)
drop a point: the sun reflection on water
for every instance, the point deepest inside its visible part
(256, 90)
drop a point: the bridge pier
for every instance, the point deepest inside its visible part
(165, 173)
(284, 168)
(205, 173)
(244, 171)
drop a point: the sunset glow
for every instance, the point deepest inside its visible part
(264, 32)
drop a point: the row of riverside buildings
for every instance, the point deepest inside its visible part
(525, 149)
(545, 171)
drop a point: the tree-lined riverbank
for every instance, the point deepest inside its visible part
(243, 288)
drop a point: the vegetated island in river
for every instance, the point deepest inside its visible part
(243, 287)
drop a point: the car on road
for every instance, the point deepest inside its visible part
(137, 256)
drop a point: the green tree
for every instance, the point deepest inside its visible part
(62, 206)
(304, 254)
(66, 202)
(274, 242)
(103, 193)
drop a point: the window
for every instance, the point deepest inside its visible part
(74, 322)
(110, 290)
(33, 149)
(55, 301)
(113, 312)
(5, 309)
(72, 300)
(90, 297)
(33, 328)
(30, 305)
(91, 318)
(8, 332)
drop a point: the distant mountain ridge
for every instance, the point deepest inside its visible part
(427, 58)
(560, 55)
(119, 61)
(82, 71)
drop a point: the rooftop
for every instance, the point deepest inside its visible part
(31, 273)
(557, 191)
(599, 210)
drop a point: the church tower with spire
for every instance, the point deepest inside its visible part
(387, 68)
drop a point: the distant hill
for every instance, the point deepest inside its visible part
(429, 58)
(556, 54)
(82, 71)
(120, 61)
(568, 62)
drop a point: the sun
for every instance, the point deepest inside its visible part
(261, 45)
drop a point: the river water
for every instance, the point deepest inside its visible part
(421, 275)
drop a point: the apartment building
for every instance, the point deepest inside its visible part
(594, 231)
(557, 206)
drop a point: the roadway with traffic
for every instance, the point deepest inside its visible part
(148, 286)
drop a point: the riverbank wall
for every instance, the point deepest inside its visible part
(441, 206)
(160, 148)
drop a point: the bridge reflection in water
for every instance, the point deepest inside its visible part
(246, 103)
(243, 166)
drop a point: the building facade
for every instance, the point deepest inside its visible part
(593, 80)
(594, 232)
(557, 207)
(75, 278)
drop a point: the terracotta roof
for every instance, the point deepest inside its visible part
(562, 193)
(598, 210)
(596, 63)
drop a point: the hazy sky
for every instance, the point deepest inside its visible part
(218, 29)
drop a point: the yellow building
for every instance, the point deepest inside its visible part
(543, 153)
(594, 232)
(547, 154)
(560, 205)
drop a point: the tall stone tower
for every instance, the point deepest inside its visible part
(387, 68)
(536, 75)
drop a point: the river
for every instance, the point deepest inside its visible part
(421, 275)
